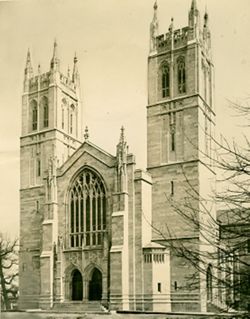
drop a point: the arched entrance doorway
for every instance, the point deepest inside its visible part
(95, 285)
(77, 287)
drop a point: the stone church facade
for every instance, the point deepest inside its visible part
(92, 225)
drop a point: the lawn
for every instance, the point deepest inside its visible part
(25, 315)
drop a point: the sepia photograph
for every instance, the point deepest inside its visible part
(124, 159)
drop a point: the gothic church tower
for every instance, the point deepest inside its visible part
(51, 132)
(180, 123)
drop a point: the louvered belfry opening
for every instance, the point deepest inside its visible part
(87, 210)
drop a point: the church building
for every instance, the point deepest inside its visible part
(93, 227)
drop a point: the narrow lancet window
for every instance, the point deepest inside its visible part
(165, 80)
(172, 140)
(45, 112)
(46, 116)
(209, 283)
(159, 287)
(62, 118)
(172, 131)
(181, 76)
(71, 124)
(63, 113)
(34, 115)
(38, 167)
(172, 188)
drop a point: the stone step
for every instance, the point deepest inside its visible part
(73, 306)
(214, 308)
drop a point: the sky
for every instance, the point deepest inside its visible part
(111, 39)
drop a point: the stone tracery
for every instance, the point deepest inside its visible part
(87, 210)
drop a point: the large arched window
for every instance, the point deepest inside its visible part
(165, 80)
(87, 210)
(45, 110)
(181, 75)
(34, 114)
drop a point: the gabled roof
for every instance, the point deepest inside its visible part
(91, 149)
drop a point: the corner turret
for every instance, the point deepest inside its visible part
(194, 15)
(39, 69)
(75, 74)
(206, 31)
(154, 29)
(28, 72)
(86, 134)
(55, 62)
(121, 155)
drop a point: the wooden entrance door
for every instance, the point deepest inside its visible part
(95, 286)
(77, 287)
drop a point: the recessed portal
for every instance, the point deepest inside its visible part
(77, 287)
(95, 285)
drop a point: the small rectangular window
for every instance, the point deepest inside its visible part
(24, 266)
(175, 285)
(159, 287)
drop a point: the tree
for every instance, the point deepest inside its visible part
(223, 221)
(8, 269)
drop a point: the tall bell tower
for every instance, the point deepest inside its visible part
(51, 132)
(51, 117)
(180, 124)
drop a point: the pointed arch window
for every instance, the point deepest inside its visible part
(87, 210)
(172, 135)
(71, 117)
(165, 80)
(34, 114)
(181, 69)
(45, 108)
(172, 131)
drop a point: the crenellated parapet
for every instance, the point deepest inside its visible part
(175, 39)
(44, 80)
(67, 82)
(33, 84)
(180, 38)
(54, 76)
